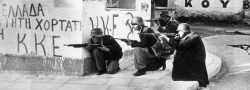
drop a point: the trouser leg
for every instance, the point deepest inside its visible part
(155, 63)
(113, 66)
(140, 58)
(99, 60)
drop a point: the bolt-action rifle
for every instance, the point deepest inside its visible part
(125, 40)
(84, 45)
(242, 46)
(151, 20)
(158, 34)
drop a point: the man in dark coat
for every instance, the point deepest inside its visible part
(107, 57)
(144, 57)
(189, 60)
(166, 23)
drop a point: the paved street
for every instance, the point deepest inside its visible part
(236, 61)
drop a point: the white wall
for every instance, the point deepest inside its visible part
(42, 27)
(26, 23)
(115, 19)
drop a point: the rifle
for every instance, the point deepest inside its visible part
(84, 45)
(242, 46)
(151, 20)
(125, 40)
(158, 34)
(239, 32)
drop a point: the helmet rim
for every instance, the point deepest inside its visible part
(137, 21)
(97, 32)
(184, 27)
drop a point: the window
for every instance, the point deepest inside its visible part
(161, 3)
(121, 4)
(164, 4)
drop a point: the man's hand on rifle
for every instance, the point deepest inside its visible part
(88, 47)
(103, 48)
(128, 42)
(177, 37)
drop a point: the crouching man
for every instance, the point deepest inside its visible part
(144, 57)
(106, 57)
(190, 58)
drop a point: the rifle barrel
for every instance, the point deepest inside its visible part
(151, 20)
(167, 34)
(240, 45)
(126, 40)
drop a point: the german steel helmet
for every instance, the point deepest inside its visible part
(184, 27)
(137, 21)
(166, 13)
(97, 32)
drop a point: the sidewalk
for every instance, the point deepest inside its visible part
(123, 80)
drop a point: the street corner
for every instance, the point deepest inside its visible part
(213, 64)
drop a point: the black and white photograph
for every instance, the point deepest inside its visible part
(124, 44)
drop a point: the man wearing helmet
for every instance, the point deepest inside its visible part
(105, 58)
(166, 23)
(189, 60)
(144, 58)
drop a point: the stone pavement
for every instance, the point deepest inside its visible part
(123, 80)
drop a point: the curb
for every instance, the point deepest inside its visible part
(213, 64)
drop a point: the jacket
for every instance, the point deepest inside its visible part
(146, 40)
(189, 60)
(171, 27)
(115, 52)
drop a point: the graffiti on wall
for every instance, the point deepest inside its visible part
(21, 15)
(105, 23)
(206, 3)
(33, 17)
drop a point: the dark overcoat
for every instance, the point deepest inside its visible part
(171, 27)
(146, 40)
(189, 60)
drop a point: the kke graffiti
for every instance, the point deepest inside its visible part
(22, 17)
(106, 29)
(21, 41)
(206, 3)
